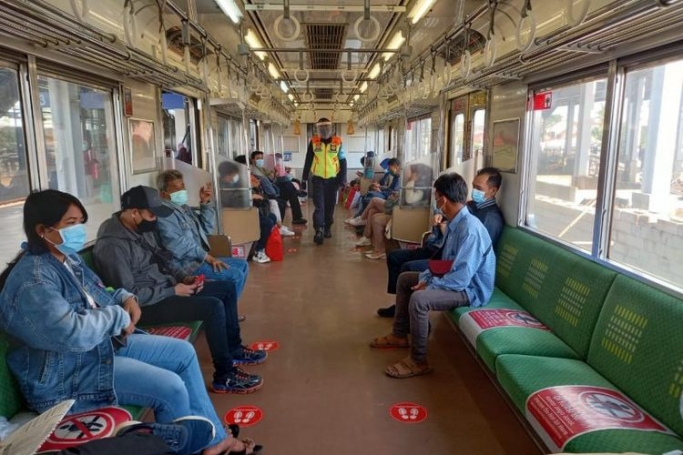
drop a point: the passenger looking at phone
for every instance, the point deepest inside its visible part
(185, 233)
(128, 255)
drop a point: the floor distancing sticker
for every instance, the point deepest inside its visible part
(244, 416)
(408, 412)
(265, 345)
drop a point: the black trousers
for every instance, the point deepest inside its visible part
(289, 194)
(324, 198)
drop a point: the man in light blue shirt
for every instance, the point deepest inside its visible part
(468, 282)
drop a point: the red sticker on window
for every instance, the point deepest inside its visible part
(244, 416)
(543, 101)
(408, 412)
(266, 345)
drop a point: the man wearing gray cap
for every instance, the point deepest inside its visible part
(127, 254)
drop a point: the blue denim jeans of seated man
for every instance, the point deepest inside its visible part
(237, 272)
(163, 373)
(216, 307)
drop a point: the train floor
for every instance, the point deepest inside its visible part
(324, 389)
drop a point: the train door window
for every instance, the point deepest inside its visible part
(222, 137)
(646, 230)
(425, 137)
(457, 138)
(178, 111)
(410, 140)
(565, 143)
(14, 177)
(477, 144)
(80, 148)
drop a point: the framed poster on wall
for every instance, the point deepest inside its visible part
(142, 136)
(505, 144)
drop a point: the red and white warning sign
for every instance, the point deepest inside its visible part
(476, 321)
(84, 427)
(543, 100)
(265, 345)
(408, 412)
(175, 331)
(559, 414)
(244, 416)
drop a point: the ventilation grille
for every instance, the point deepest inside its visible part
(325, 36)
(324, 93)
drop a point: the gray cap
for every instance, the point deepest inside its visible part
(145, 197)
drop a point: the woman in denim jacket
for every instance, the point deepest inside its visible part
(61, 321)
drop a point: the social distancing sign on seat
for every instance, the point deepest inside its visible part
(475, 322)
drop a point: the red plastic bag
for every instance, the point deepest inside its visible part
(275, 248)
(349, 198)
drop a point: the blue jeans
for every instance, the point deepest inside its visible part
(216, 307)
(163, 373)
(237, 272)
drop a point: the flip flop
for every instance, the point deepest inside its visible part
(407, 368)
(385, 343)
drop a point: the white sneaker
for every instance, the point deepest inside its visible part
(261, 257)
(348, 220)
(364, 241)
(286, 232)
(358, 221)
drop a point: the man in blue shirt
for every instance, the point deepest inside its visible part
(469, 280)
(485, 187)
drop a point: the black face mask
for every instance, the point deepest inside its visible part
(147, 226)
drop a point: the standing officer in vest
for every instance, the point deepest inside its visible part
(326, 160)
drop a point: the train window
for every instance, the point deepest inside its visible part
(457, 139)
(565, 148)
(418, 138)
(177, 112)
(647, 214)
(78, 128)
(14, 178)
(478, 124)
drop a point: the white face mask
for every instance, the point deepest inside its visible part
(235, 178)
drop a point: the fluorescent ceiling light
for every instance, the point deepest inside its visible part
(284, 87)
(254, 43)
(230, 9)
(364, 87)
(419, 10)
(274, 73)
(355, 98)
(291, 97)
(374, 72)
(394, 44)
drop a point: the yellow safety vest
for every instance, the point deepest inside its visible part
(326, 157)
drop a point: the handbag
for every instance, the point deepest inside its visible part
(439, 267)
(275, 246)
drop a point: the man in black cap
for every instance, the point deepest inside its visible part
(128, 255)
(326, 160)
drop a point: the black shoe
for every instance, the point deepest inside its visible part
(387, 312)
(318, 238)
(328, 233)
(300, 221)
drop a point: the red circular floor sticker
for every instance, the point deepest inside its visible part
(408, 412)
(244, 416)
(266, 345)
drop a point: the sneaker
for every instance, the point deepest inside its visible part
(348, 220)
(261, 257)
(185, 435)
(247, 356)
(387, 312)
(300, 221)
(375, 256)
(285, 232)
(358, 221)
(238, 381)
(364, 242)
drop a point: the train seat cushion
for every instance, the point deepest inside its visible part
(638, 346)
(11, 400)
(575, 409)
(498, 300)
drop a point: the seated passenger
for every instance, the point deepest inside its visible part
(469, 280)
(59, 315)
(416, 190)
(389, 184)
(233, 193)
(483, 205)
(287, 190)
(184, 234)
(377, 217)
(267, 220)
(127, 255)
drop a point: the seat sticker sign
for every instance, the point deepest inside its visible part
(84, 427)
(475, 322)
(560, 414)
(175, 331)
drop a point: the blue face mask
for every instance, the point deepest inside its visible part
(73, 239)
(259, 162)
(179, 197)
(478, 196)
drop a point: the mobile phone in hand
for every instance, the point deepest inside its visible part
(199, 280)
(118, 341)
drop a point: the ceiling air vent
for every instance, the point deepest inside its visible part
(325, 36)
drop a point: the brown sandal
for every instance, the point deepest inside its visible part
(386, 342)
(407, 368)
(250, 447)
